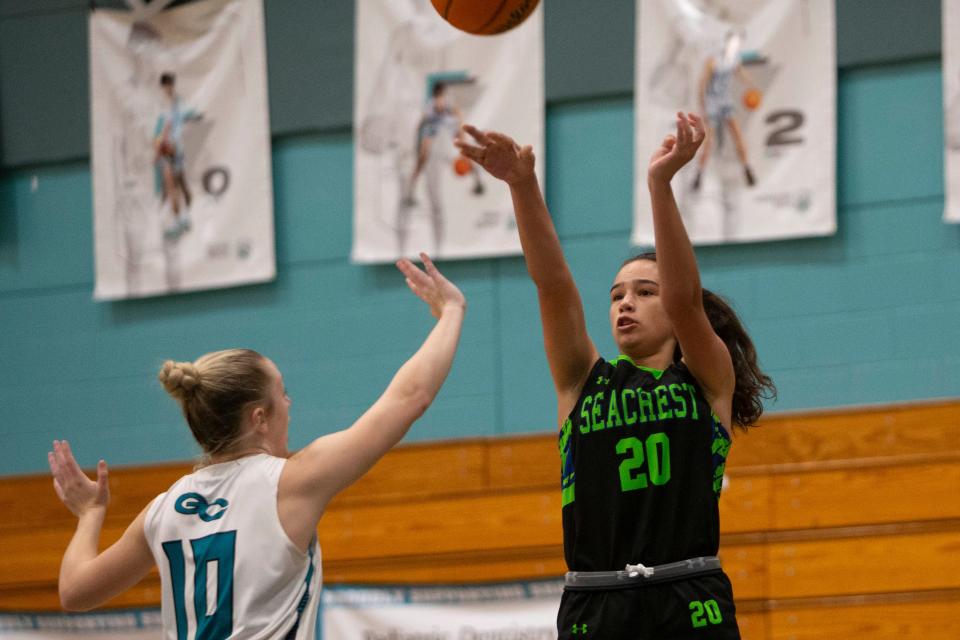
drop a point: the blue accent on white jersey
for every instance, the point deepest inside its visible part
(194, 503)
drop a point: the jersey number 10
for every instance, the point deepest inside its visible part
(214, 615)
(632, 474)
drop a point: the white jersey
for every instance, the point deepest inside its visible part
(227, 567)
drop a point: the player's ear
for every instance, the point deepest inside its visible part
(258, 418)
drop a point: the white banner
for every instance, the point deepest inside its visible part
(417, 80)
(951, 108)
(514, 611)
(763, 74)
(183, 197)
(110, 625)
(508, 611)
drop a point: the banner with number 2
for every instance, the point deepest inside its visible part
(762, 74)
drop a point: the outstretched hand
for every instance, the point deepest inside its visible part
(498, 154)
(78, 492)
(677, 150)
(431, 286)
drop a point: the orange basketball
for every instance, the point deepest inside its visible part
(461, 166)
(751, 99)
(485, 17)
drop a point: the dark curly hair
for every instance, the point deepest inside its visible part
(752, 384)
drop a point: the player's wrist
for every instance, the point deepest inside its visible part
(92, 513)
(453, 306)
(657, 181)
(523, 181)
(452, 309)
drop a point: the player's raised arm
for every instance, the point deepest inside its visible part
(704, 352)
(570, 352)
(89, 578)
(330, 463)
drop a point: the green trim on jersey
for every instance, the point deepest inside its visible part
(656, 373)
(720, 449)
(567, 477)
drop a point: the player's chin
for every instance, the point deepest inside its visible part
(626, 342)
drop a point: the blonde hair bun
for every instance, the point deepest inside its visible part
(179, 378)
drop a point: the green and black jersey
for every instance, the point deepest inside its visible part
(642, 459)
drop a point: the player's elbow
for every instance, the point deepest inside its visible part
(73, 599)
(407, 404)
(417, 403)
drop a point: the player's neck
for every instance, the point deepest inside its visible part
(242, 449)
(236, 455)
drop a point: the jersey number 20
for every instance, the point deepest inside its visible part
(213, 611)
(632, 474)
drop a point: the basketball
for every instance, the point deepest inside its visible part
(485, 17)
(461, 166)
(751, 99)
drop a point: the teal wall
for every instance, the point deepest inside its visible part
(866, 316)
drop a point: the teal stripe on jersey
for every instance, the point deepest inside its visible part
(222, 548)
(174, 552)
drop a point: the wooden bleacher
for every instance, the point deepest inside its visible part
(835, 524)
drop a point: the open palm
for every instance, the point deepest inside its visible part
(78, 492)
(430, 285)
(498, 154)
(677, 150)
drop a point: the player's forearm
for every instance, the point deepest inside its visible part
(680, 287)
(418, 381)
(538, 237)
(82, 549)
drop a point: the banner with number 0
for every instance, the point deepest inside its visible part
(762, 74)
(180, 149)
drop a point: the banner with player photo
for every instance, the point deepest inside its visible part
(762, 73)
(183, 194)
(514, 611)
(951, 109)
(417, 80)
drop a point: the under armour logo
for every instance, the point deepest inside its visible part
(194, 503)
(579, 628)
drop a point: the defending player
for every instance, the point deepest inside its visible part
(235, 541)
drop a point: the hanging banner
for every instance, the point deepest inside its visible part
(417, 80)
(183, 196)
(514, 611)
(762, 73)
(951, 109)
(508, 611)
(134, 624)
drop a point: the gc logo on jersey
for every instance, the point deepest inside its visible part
(194, 503)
